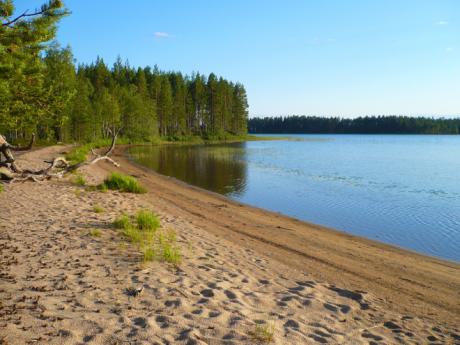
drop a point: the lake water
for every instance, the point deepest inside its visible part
(399, 189)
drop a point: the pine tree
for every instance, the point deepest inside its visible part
(22, 38)
(164, 107)
(82, 113)
(60, 89)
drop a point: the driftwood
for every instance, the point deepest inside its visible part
(57, 168)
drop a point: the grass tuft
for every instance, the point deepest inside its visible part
(148, 254)
(78, 154)
(79, 180)
(98, 209)
(95, 233)
(122, 222)
(103, 188)
(123, 183)
(1, 188)
(168, 248)
(147, 220)
(263, 332)
(154, 243)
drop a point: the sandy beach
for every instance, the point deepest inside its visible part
(243, 270)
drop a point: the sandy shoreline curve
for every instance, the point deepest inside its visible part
(242, 267)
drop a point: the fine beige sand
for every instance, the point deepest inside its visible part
(241, 267)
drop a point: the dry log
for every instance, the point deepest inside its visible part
(57, 168)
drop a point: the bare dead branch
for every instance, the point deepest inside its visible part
(57, 168)
(24, 148)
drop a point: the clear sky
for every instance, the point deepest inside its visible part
(321, 57)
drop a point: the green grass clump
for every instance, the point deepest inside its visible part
(153, 243)
(103, 188)
(263, 332)
(147, 220)
(122, 222)
(78, 154)
(168, 248)
(1, 188)
(136, 236)
(79, 180)
(95, 233)
(148, 254)
(141, 236)
(98, 209)
(123, 183)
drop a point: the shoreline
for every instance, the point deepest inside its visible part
(247, 275)
(276, 213)
(401, 276)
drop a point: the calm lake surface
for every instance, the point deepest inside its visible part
(398, 189)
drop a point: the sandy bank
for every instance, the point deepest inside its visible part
(407, 281)
(242, 266)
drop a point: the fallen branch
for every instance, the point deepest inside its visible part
(57, 168)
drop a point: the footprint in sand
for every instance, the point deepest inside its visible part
(214, 313)
(291, 324)
(230, 295)
(140, 322)
(162, 321)
(366, 334)
(207, 293)
(175, 303)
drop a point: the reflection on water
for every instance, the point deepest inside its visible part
(218, 168)
(402, 190)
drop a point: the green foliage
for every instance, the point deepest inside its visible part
(363, 125)
(24, 93)
(123, 183)
(42, 91)
(1, 188)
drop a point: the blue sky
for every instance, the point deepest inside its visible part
(328, 57)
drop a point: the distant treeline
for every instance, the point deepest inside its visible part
(360, 125)
(42, 91)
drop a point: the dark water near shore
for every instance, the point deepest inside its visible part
(403, 190)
